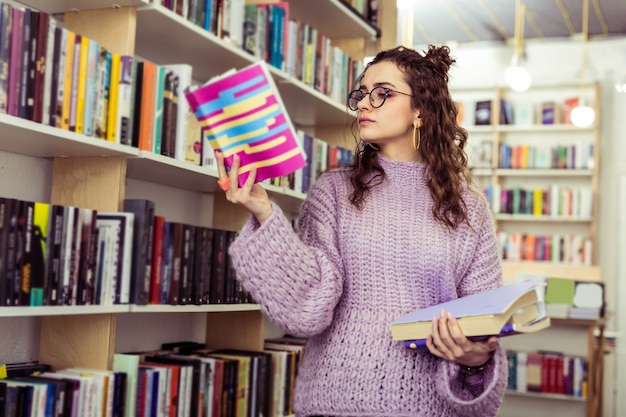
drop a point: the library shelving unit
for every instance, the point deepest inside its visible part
(92, 173)
(492, 171)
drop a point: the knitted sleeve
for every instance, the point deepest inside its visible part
(297, 282)
(482, 394)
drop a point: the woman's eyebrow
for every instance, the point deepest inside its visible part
(382, 84)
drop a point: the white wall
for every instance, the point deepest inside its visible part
(561, 61)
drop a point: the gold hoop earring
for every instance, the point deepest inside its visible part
(373, 146)
(417, 138)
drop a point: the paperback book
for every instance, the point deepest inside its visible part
(241, 113)
(509, 329)
(479, 314)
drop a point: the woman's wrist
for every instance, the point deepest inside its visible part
(477, 368)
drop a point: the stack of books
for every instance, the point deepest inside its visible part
(509, 310)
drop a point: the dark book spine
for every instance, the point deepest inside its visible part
(198, 265)
(5, 53)
(207, 262)
(170, 111)
(156, 277)
(30, 83)
(4, 235)
(218, 272)
(25, 58)
(185, 285)
(55, 238)
(15, 61)
(191, 263)
(25, 252)
(39, 66)
(166, 263)
(235, 287)
(137, 96)
(39, 252)
(177, 248)
(142, 248)
(56, 85)
(125, 97)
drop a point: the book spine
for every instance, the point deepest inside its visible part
(13, 95)
(124, 107)
(112, 134)
(5, 52)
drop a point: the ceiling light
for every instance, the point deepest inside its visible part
(516, 76)
(404, 4)
(584, 115)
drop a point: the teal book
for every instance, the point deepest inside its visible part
(159, 105)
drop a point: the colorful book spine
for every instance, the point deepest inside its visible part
(112, 135)
(90, 87)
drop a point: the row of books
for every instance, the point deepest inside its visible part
(573, 299)
(554, 201)
(575, 156)
(298, 49)
(90, 90)
(547, 373)
(181, 379)
(62, 255)
(521, 113)
(568, 249)
(366, 8)
(320, 157)
(64, 79)
(179, 263)
(266, 31)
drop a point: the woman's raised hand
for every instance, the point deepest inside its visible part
(251, 196)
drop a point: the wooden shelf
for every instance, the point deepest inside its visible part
(46, 311)
(578, 272)
(62, 6)
(546, 396)
(531, 172)
(333, 18)
(192, 308)
(532, 218)
(35, 139)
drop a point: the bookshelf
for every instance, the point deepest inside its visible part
(97, 174)
(525, 156)
(494, 173)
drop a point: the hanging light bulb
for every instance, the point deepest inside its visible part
(584, 115)
(404, 4)
(516, 76)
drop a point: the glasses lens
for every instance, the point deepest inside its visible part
(378, 96)
(354, 98)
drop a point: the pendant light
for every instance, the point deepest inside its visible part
(584, 115)
(516, 76)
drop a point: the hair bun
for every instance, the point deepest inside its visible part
(439, 57)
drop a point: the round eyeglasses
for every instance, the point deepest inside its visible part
(378, 95)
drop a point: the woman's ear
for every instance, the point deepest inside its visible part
(417, 121)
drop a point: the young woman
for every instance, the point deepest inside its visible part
(399, 229)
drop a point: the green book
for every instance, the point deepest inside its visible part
(560, 291)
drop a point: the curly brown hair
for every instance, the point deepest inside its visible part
(442, 139)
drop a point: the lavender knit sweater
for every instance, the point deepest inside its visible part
(350, 273)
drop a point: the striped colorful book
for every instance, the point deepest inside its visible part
(241, 113)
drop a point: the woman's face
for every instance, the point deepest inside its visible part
(393, 121)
